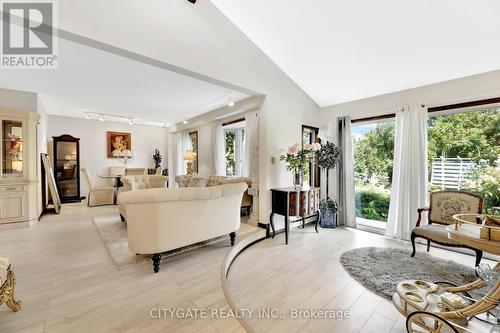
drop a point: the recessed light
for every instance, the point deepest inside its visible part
(185, 122)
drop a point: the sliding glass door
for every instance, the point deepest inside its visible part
(373, 146)
(464, 154)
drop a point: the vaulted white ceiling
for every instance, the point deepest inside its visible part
(343, 50)
(91, 80)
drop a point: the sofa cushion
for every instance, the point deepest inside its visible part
(214, 180)
(435, 232)
(182, 180)
(4, 266)
(197, 181)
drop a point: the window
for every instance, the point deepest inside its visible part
(193, 136)
(234, 133)
(464, 154)
(373, 146)
(312, 174)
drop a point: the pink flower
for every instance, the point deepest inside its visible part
(308, 146)
(293, 149)
(316, 146)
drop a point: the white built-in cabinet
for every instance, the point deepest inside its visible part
(18, 167)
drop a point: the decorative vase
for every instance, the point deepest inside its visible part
(297, 178)
(328, 218)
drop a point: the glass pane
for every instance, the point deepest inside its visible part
(66, 151)
(464, 154)
(373, 161)
(12, 145)
(66, 173)
(230, 153)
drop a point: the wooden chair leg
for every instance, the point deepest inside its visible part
(428, 245)
(479, 256)
(413, 236)
(232, 236)
(7, 295)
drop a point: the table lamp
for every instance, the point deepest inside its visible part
(189, 156)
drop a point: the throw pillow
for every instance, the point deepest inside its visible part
(198, 181)
(214, 180)
(183, 180)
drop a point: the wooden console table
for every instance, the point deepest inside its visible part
(289, 201)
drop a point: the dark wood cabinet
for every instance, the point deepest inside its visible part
(67, 167)
(303, 203)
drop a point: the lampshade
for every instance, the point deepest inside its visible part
(116, 153)
(189, 155)
(127, 153)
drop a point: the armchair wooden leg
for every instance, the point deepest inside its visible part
(428, 245)
(479, 256)
(156, 262)
(7, 294)
(232, 236)
(413, 236)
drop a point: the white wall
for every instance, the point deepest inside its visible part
(93, 151)
(471, 88)
(18, 100)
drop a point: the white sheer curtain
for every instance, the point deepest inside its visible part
(250, 163)
(218, 148)
(409, 177)
(347, 210)
(177, 145)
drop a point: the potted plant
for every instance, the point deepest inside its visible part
(157, 159)
(328, 157)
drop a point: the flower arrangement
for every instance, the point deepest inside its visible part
(296, 160)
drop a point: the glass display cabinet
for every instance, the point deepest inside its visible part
(18, 171)
(67, 167)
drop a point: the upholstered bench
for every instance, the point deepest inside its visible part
(7, 283)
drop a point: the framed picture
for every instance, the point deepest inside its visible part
(118, 141)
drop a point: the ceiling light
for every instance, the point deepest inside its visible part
(230, 104)
(87, 116)
(101, 118)
(131, 121)
(185, 122)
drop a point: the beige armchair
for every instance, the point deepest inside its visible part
(135, 171)
(443, 205)
(98, 195)
(7, 284)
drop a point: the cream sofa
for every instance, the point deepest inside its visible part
(159, 220)
(188, 181)
(140, 182)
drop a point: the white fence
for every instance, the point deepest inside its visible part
(451, 173)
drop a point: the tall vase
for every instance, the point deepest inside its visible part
(297, 178)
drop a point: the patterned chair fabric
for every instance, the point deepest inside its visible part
(443, 205)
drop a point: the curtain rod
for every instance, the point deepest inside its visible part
(437, 108)
(233, 121)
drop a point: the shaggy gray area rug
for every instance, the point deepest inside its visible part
(381, 269)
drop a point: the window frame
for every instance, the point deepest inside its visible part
(313, 165)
